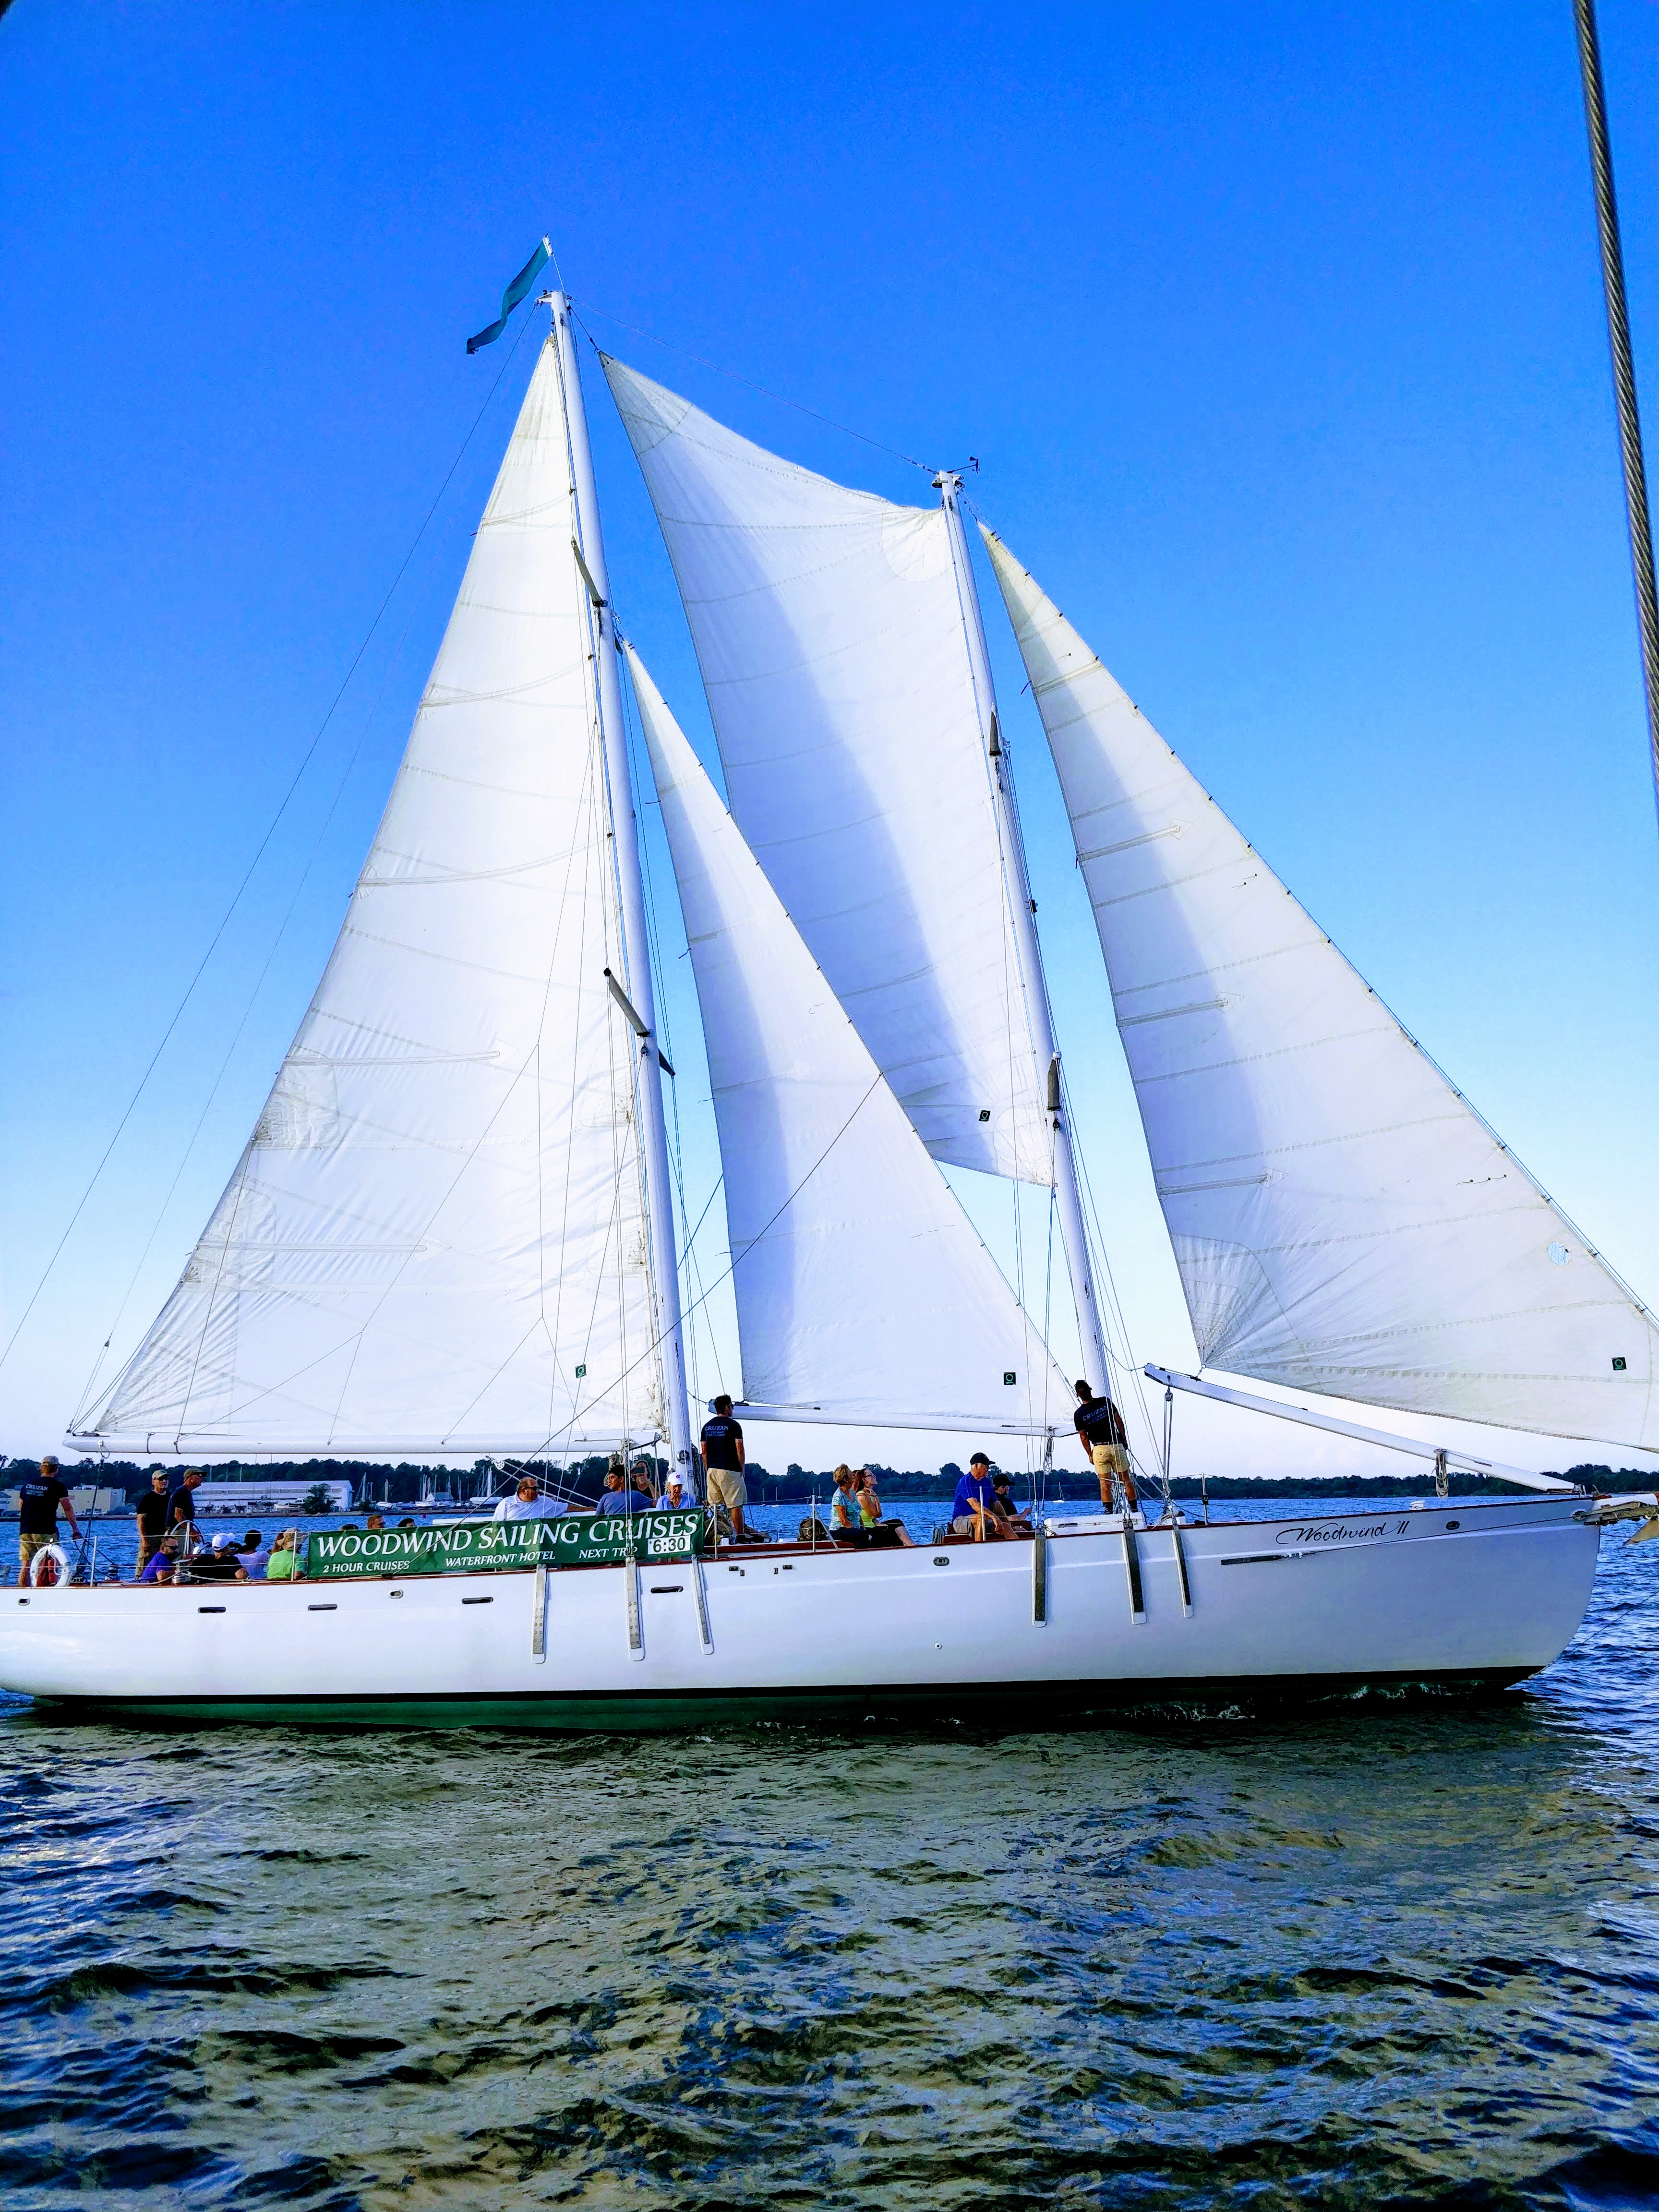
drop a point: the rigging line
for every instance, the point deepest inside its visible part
(86, 1402)
(236, 896)
(634, 724)
(737, 1258)
(829, 421)
(1130, 1365)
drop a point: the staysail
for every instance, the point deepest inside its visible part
(1343, 1220)
(862, 1289)
(436, 1237)
(830, 630)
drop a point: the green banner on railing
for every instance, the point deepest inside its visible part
(574, 1540)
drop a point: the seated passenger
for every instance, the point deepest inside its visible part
(673, 1499)
(1004, 1486)
(527, 1504)
(163, 1561)
(974, 1509)
(616, 1497)
(220, 1565)
(870, 1510)
(844, 1514)
(279, 1566)
(255, 1554)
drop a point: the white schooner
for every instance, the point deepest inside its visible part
(452, 1229)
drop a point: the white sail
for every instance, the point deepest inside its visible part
(1342, 1218)
(862, 1289)
(436, 1238)
(832, 636)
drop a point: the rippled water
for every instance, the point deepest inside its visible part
(1380, 1955)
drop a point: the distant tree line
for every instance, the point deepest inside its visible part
(583, 1479)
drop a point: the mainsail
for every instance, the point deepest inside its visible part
(436, 1237)
(830, 630)
(862, 1289)
(1343, 1220)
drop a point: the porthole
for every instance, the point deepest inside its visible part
(941, 1558)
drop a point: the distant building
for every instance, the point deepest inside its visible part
(286, 1494)
(85, 1500)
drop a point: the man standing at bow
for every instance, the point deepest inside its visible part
(1100, 1426)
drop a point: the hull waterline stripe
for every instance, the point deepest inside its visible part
(1022, 1703)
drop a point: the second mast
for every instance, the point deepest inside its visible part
(659, 1209)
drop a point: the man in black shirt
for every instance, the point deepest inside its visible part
(39, 1497)
(189, 1483)
(1100, 1426)
(154, 1517)
(722, 1461)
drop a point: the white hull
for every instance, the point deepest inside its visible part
(1465, 1594)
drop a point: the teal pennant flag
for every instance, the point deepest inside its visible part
(515, 291)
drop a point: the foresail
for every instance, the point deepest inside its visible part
(1343, 1220)
(862, 1289)
(436, 1238)
(831, 634)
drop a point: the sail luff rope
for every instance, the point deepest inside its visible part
(236, 896)
(1624, 372)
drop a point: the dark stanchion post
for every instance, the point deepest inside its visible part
(1624, 375)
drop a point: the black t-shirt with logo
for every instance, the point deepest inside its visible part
(183, 1496)
(155, 1511)
(721, 1439)
(1099, 1422)
(39, 1497)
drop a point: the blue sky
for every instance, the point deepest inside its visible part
(1278, 333)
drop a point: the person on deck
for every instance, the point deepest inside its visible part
(673, 1499)
(223, 1564)
(279, 1567)
(1004, 1486)
(871, 1513)
(527, 1504)
(185, 1497)
(256, 1556)
(974, 1508)
(163, 1561)
(844, 1514)
(615, 1497)
(645, 1487)
(39, 1497)
(1100, 1427)
(722, 1461)
(153, 1517)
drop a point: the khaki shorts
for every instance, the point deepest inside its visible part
(1110, 1459)
(726, 1487)
(29, 1545)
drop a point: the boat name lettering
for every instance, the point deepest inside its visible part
(1338, 1532)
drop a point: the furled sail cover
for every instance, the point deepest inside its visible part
(438, 1223)
(862, 1289)
(829, 626)
(1343, 1220)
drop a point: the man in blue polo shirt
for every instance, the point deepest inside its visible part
(975, 1511)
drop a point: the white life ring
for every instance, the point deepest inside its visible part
(57, 1556)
